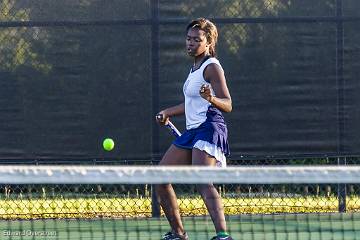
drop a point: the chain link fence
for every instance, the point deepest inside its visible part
(120, 201)
(65, 65)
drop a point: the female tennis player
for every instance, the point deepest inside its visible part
(205, 140)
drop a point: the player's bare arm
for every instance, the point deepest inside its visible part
(222, 99)
(170, 112)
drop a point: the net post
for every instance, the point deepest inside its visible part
(342, 189)
(341, 99)
(155, 52)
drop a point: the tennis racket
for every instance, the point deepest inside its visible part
(170, 126)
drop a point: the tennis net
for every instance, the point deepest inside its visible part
(116, 202)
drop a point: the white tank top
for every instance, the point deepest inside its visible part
(195, 106)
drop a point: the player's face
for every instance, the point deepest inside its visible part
(196, 42)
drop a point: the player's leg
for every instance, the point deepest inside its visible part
(209, 193)
(165, 192)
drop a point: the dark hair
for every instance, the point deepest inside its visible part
(210, 31)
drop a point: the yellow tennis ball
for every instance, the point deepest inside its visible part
(108, 144)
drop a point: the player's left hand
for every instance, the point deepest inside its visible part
(205, 92)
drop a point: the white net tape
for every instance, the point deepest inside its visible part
(16, 174)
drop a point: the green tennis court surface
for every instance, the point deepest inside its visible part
(288, 226)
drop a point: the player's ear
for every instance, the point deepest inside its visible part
(208, 44)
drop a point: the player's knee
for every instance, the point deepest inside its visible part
(204, 189)
(162, 188)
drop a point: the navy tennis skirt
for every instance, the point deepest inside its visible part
(213, 130)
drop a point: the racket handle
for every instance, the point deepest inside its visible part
(173, 129)
(170, 126)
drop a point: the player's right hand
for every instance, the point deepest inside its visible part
(162, 118)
